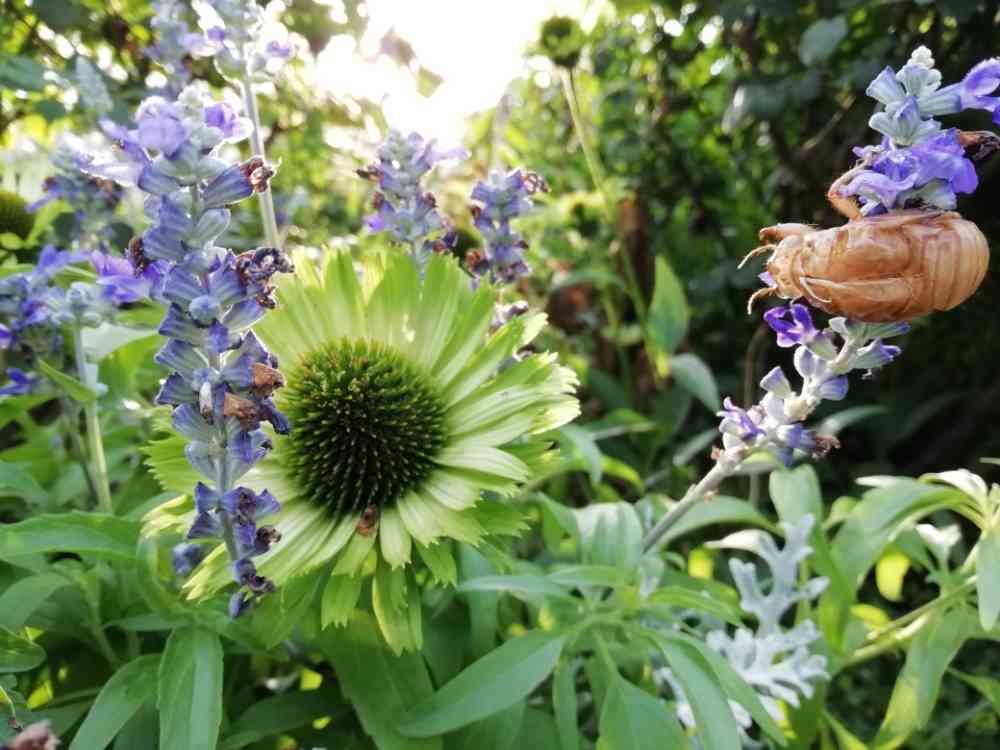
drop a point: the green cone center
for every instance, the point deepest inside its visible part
(366, 425)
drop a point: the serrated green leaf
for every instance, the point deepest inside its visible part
(119, 700)
(491, 684)
(190, 690)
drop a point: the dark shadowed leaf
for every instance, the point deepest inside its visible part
(119, 700)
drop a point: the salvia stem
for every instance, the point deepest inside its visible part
(267, 215)
(724, 467)
(98, 462)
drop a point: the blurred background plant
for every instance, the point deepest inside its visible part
(668, 133)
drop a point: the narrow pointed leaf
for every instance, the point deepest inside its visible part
(119, 700)
(495, 682)
(190, 690)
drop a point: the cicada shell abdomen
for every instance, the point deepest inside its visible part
(891, 267)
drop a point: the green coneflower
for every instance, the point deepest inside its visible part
(405, 407)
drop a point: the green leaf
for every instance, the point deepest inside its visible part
(491, 684)
(482, 607)
(717, 728)
(340, 596)
(85, 533)
(496, 732)
(845, 739)
(632, 719)
(988, 577)
(565, 706)
(119, 700)
(611, 534)
(60, 15)
(588, 449)
(520, 586)
(873, 521)
(916, 688)
(190, 690)
(988, 686)
(579, 576)
(71, 386)
(668, 312)
(140, 732)
(17, 482)
(735, 687)
(796, 493)
(381, 687)
(21, 73)
(277, 715)
(19, 601)
(722, 509)
(675, 597)
(18, 654)
(694, 376)
(820, 40)
(107, 338)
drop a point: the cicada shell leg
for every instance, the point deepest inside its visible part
(760, 294)
(755, 252)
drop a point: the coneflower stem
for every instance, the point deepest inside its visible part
(267, 214)
(98, 462)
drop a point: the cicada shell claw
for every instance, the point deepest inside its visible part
(755, 252)
(760, 294)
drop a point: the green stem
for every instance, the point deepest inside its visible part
(267, 215)
(98, 462)
(725, 466)
(71, 423)
(598, 177)
(920, 611)
(902, 629)
(589, 153)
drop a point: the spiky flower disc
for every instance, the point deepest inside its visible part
(405, 407)
(368, 425)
